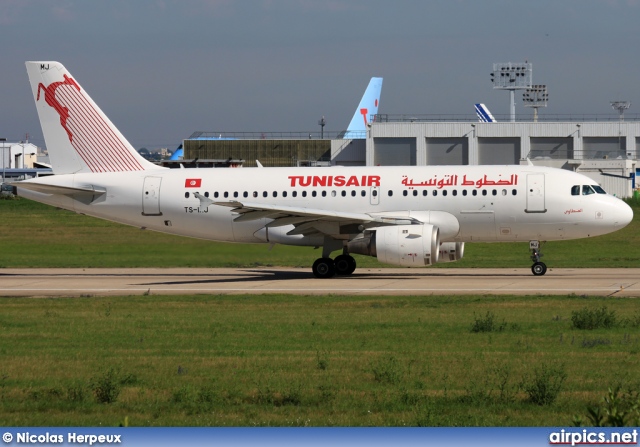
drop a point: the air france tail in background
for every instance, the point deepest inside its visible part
(484, 116)
(368, 106)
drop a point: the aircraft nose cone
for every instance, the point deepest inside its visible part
(624, 214)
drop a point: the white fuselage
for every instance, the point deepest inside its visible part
(491, 203)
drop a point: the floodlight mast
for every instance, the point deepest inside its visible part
(536, 96)
(620, 106)
(512, 76)
(322, 122)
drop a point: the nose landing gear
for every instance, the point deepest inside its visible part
(538, 268)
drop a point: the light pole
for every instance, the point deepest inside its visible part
(322, 122)
(512, 76)
(620, 106)
(536, 96)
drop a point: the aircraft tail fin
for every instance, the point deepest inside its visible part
(368, 106)
(79, 136)
(484, 116)
(178, 154)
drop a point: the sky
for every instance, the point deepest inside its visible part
(163, 69)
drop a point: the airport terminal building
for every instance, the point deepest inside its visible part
(605, 148)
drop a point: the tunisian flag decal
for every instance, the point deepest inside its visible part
(193, 183)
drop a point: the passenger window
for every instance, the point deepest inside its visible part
(235, 194)
(475, 192)
(435, 192)
(514, 192)
(353, 193)
(275, 193)
(575, 190)
(363, 193)
(587, 190)
(226, 194)
(425, 192)
(344, 193)
(186, 195)
(405, 192)
(304, 193)
(284, 193)
(215, 194)
(484, 192)
(206, 194)
(464, 192)
(255, 193)
(415, 192)
(504, 192)
(333, 193)
(374, 193)
(245, 194)
(494, 192)
(265, 194)
(314, 193)
(454, 192)
(598, 189)
(390, 193)
(444, 192)
(294, 193)
(324, 193)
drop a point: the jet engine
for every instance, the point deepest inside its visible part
(404, 245)
(450, 251)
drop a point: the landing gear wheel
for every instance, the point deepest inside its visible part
(539, 268)
(345, 265)
(324, 268)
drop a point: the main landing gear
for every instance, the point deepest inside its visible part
(538, 268)
(326, 267)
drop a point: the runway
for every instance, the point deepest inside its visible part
(374, 281)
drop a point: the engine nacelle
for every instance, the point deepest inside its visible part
(405, 245)
(450, 251)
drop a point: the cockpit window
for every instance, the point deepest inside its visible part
(586, 190)
(575, 190)
(598, 189)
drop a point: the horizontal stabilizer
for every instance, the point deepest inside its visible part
(86, 195)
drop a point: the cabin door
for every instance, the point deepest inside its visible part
(535, 194)
(151, 196)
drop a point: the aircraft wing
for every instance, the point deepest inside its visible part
(306, 221)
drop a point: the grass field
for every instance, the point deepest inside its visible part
(320, 361)
(36, 235)
(278, 360)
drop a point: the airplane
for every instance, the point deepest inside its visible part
(368, 106)
(484, 115)
(411, 216)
